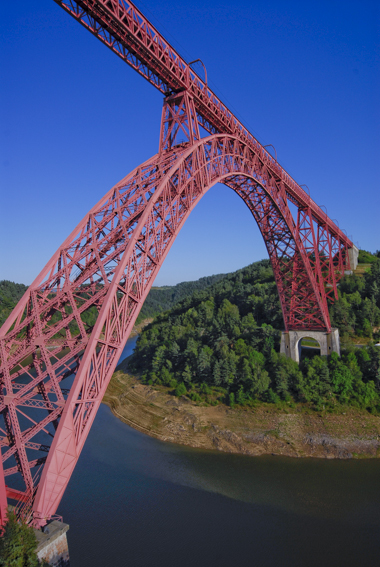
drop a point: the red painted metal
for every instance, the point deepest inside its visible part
(60, 345)
(3, 498)
(126, 31)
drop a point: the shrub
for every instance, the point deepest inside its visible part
(180, 390)
(366, 257)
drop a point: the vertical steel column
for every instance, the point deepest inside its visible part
(3, 496)
(179, 124)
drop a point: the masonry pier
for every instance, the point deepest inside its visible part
(291, 342)
(353, 255)
(52, 544)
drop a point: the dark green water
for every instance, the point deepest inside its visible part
(139, 502)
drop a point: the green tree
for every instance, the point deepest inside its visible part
(373, 365)
(260, 380)
(315, 385)
(216, 374)
(240, 396)
(18, 544)
(166, 376)
(158, 359)
(241, 347)
(191, 352)
(286, 376)
(187, 375)
(180, 390)
(367, 328)
(245, 372)
(204, 363)
(341, 378)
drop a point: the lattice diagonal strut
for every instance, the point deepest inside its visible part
(61, 344)
(121, 26)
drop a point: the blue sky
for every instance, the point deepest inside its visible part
(75, 119)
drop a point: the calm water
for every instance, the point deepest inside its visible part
(135, 501)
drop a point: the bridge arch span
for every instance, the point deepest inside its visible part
(77, 315)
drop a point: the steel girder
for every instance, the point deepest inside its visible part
(122, 27)
(60, 345)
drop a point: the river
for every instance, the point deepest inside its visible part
(135, 501)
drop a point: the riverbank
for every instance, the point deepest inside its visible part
(139, 327)
(293, 431)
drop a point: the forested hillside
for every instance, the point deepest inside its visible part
(220, 340)
(222, 344)
(159, 298)
(163, 298)
(10, 293)
(357, 311)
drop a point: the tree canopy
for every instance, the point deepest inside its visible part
(18, 545)
(225, 340)
(357, 311)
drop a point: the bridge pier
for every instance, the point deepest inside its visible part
(52, 544)
(353, 255)
(291, 342)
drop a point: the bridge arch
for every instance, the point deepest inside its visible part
(307, 345)
(78, 313)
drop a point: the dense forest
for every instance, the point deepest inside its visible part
(222, 343)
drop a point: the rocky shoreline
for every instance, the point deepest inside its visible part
(293, 432)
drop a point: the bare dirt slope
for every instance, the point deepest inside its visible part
(294, 432)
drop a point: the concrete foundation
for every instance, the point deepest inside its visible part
(52, 544)
(353, 254)
(291, 342)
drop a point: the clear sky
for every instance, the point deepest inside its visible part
(75, 119)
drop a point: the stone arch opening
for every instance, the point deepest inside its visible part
(308, 347)
(291, 342)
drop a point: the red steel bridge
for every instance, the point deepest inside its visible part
(60, 345)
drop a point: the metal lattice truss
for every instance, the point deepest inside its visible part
(120, 26)
(61, 344)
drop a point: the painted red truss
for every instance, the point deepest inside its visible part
(62, 342)
(127, 32)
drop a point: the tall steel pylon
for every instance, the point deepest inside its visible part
(60, 345)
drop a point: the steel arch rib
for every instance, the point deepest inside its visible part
(106, 267)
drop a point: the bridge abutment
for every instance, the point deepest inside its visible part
(291, 342)
(52, 544)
